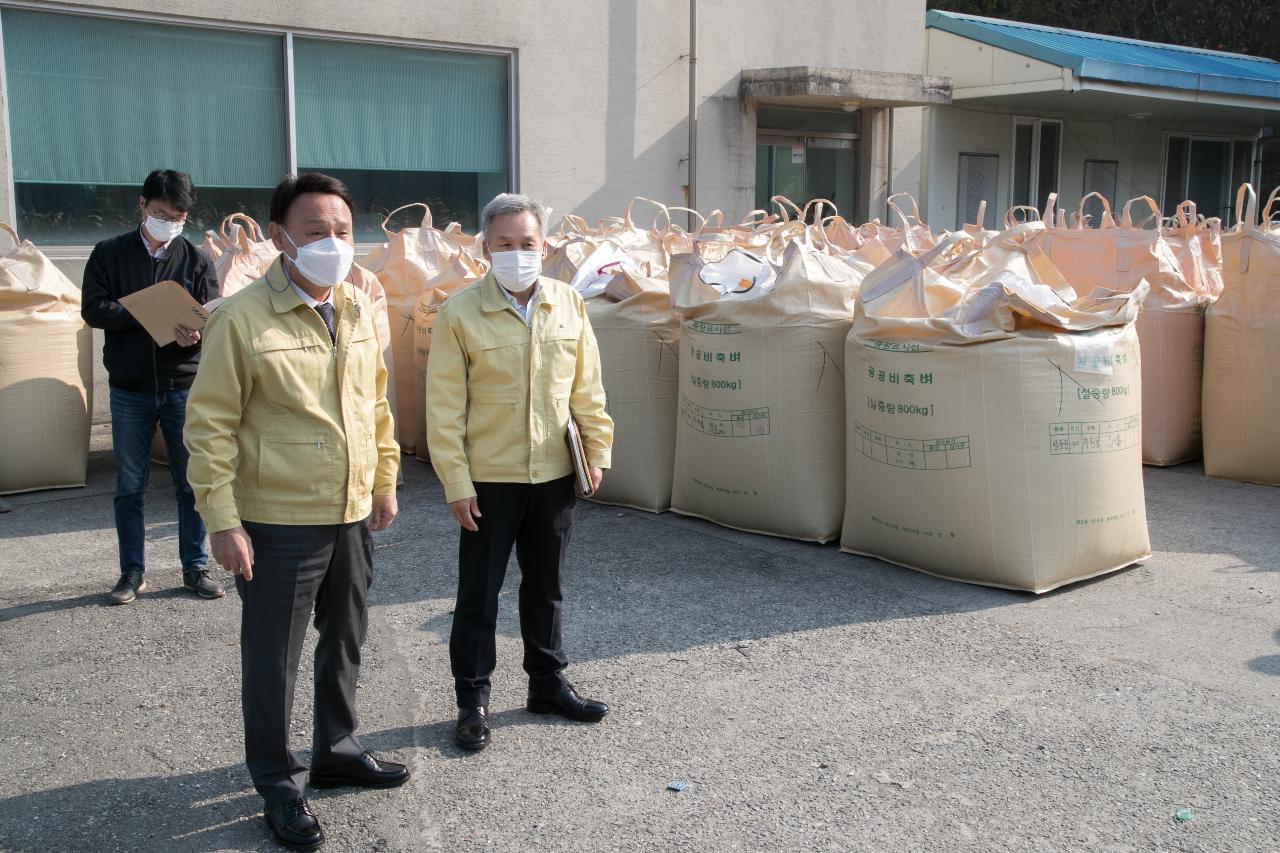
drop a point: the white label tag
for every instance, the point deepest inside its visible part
(1094, 354)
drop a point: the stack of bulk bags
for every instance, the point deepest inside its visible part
(759, 440)
(418, 268)
(45, 374)
(588, 258)
(1180, 265)
(638, 335)
(620, 271)
(1242, 352)
(993, 431)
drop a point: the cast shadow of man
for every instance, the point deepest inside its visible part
(204, 811)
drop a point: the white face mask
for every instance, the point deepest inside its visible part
(162, 229)
(516, 271)
(325, 262)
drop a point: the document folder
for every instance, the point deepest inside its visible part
(581, 470)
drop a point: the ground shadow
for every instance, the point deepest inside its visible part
(1267, 664)
(93, 599)
(641, 583)
(196, 812)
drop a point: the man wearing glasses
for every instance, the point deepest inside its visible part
(149, 383)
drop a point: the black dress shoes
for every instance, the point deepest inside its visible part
(363, 772)
(567, 703)
(472, 731)
(294, 825)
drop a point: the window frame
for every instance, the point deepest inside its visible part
(1034, 172)
(286, 35)
(1231, 139)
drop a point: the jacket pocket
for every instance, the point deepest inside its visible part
(499, 367)
(298, 469)
(289, 370)
(496, 433)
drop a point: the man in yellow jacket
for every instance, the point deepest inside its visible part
(512, 359)
(293, 462)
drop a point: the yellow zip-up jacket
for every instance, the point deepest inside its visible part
(284, 426)
(500, 393)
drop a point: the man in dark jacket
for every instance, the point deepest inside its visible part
(149, 383)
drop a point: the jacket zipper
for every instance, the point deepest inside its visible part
(155, 366)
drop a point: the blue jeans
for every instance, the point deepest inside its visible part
(134, 416)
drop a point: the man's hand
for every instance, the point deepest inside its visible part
(465, 512)
(233, 550)
(597, 475)
(385, 510)
(186, 337)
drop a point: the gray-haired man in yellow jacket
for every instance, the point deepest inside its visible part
(512, 358)
(293, 462)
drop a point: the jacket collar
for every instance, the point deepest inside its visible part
(492, 300)
(284, 298)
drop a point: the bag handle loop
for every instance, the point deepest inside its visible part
(783, 203)
(1246, 214)
(427, 221)
(1108, 219)
(1126, 218)
(13, 235)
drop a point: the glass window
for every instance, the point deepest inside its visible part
(1206, 170)
(401, 124)
(97, 104)
(783, 118)
(1241, 173)
(1022, 160)
(1175, 173)
(1047, 177)
(1036, 146)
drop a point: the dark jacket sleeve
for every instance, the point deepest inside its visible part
(98, 305)
(204, 284)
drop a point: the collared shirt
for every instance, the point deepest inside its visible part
(303, 295)
(525, 312)
(158, 253)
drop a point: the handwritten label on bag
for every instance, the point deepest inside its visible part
(1094, 355)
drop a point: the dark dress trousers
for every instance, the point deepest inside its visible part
(297, 567)
(536, 519)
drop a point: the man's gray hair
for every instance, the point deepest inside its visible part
(506, 204)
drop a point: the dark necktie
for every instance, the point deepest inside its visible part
(325, 310)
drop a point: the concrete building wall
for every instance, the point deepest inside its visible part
(602, 87)
(1136, 145)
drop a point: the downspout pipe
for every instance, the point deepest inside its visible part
(693, 109)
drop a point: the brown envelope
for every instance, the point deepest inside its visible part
(162, 306)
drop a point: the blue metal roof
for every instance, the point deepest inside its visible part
(1120, 60)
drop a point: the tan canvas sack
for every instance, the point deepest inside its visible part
(638, 334)
(46, 373)
(759, 439)
(1242, 351)
(1118, 256)
(412, 266)
(993, 432)
(247, 255)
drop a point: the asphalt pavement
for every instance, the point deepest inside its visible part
(808, 699)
